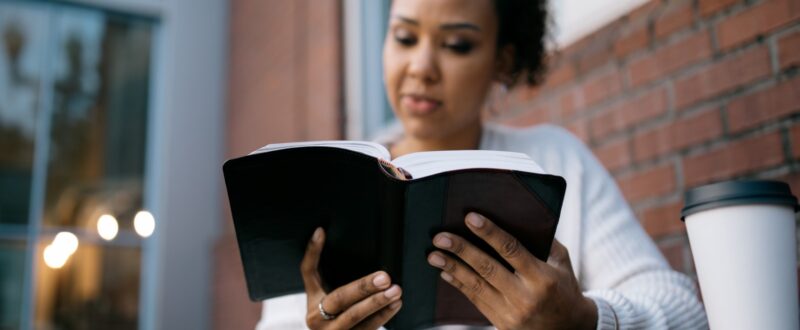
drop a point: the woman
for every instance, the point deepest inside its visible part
(441, 59)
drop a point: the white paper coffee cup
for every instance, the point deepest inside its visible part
(743, 239)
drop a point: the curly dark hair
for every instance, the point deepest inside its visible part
(523, 25)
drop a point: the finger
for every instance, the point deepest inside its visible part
(365, 308)
(487, 309)
(474, 286)
(483, 265)
(504, 243)
(559, 256)
(380, 318)
(308, 267)
(343, 297)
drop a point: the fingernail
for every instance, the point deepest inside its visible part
(443, 242)
(447, 277)
(395, 305)
(317, 235)
(380, 280)
(392, 292)
(475, 220)
(436, 260)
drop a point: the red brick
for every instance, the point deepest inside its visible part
(675, 253)
(735, 158)
(614, 155)
(671, 58)
(789, 50)
(794, 135)
(722, 76)
(595, 57)
(793, 180)
(634, 39)
(630, 112)
(679, 15)
(596, 42)
(601, 88)
(653, 182)
(677, 135)
(758, 20)
(709, 7)
(323, 72)
(560, 75)
(570, 103)
(644, 12)
(663, 220)
(767, 105)
(579, 129)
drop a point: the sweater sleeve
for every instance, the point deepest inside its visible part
(287, 312)
(622, 270)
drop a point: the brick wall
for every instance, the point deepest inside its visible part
(284, 85)
(677, 94)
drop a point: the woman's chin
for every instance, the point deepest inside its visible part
(425, 130)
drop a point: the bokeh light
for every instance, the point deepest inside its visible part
(107, 227)
(66, 241)
(54, 257)
(144, 223)
(58, 252)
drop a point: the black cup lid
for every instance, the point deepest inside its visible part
(736, 193)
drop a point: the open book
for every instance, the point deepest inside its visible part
(381, 214)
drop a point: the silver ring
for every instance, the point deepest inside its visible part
(325, 315)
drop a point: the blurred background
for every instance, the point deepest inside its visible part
(116, 117)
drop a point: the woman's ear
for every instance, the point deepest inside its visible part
(504, 65)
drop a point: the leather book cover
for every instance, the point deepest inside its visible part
(376, 222)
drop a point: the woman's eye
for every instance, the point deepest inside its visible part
(405, 39)
(462, 47)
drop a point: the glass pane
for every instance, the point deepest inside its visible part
(23, 32)
(101, 72)
(98, 130)
(388, 114)
(96, 287)
(12, 272)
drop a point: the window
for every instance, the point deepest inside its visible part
(368, 111)
(74, 96)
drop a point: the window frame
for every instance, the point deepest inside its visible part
(366, 106)
(34, 230)
(188, 80)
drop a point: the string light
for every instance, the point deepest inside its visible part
(107, 227)
(66, 241)
(144, 223)
(58, 252)
(54, 257)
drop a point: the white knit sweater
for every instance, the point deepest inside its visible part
(616, 263)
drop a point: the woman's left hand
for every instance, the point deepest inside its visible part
(537, 295)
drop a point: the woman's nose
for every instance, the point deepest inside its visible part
(423, 64)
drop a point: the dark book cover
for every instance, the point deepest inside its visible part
(375, 221)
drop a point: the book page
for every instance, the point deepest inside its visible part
(368, 148)
(422, 164)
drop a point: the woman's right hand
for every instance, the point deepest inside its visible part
(366, 303)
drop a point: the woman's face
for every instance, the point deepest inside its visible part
(439, 60)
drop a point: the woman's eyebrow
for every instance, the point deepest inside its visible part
(458, 26)
(406, 19)
(445, 26)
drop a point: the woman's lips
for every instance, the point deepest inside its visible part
(420, 105)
